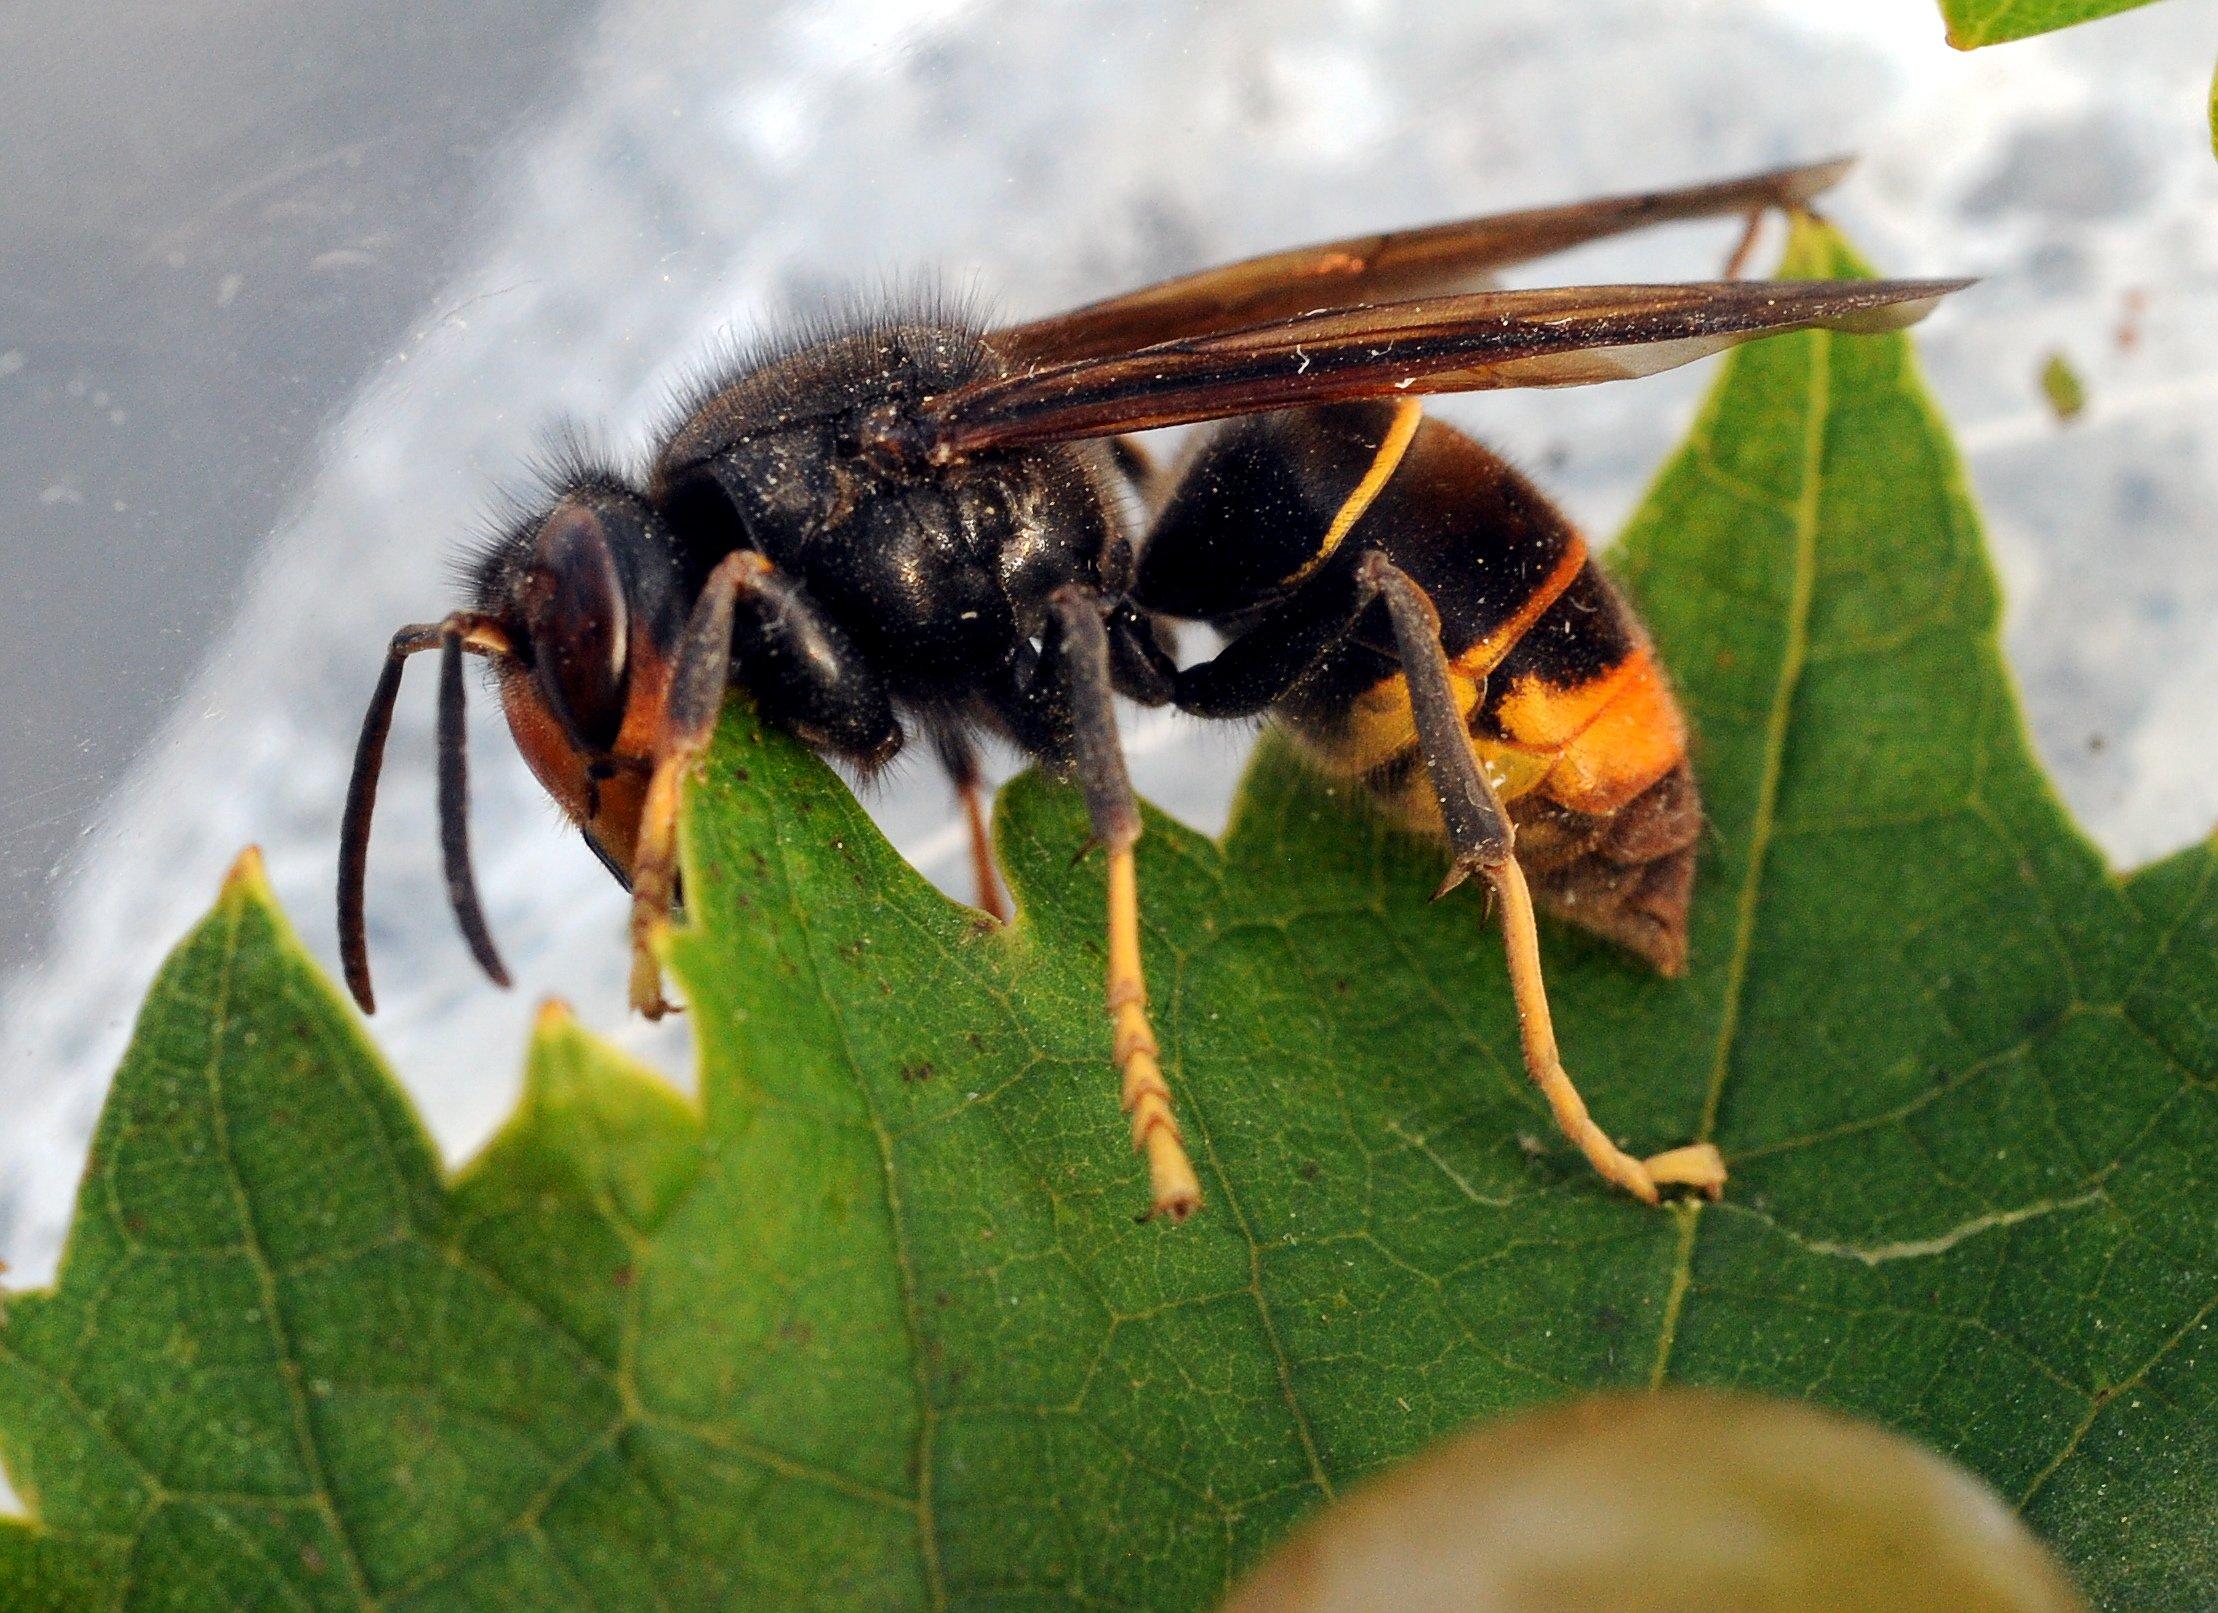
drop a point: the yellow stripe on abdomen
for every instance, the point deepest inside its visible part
(1477, 659)
(1379, 728)
(1377, 743)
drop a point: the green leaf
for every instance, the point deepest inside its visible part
(877, 1329)
(1973, 23)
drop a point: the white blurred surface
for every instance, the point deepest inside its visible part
(702, 165)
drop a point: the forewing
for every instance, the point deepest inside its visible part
(1563, 336)
(1393, 267)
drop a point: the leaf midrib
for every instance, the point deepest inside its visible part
(265, 1276)
(1778, 724)
(927, 1409)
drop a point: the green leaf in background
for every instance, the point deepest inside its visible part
(1972, 23)
(876, 1327)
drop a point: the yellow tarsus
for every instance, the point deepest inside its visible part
(1697, 1165)
(654, 882)
(1175, 1192)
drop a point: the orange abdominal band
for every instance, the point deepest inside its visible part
(1611, 738)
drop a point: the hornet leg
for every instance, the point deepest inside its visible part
(1079, 655)
(1259, 668)
(807, 676)
(1481, 840)
(960, 758)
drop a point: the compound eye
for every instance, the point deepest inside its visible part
(578, 624)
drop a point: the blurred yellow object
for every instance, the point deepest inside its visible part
(2065, 391)
(1683, 1501)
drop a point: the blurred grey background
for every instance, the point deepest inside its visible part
(287, 291)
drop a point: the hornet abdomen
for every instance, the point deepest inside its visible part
(1567, 708)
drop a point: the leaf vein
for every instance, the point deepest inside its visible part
(304, 1430)
(928, 1548)
(1801, 595)
(2103, 1399)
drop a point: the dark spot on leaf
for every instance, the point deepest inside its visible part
(1609, 1319)
(622, 1276)
(1309, 1170)
(919, 1070)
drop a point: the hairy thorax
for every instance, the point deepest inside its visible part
(938, 574)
